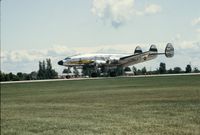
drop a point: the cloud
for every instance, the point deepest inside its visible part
(196, 24)
(118, 12)
(177, 37)
(198, 30)
(152, 9)
(196, 21)
(187, 52)
(60, 50)
(32, 55)
(20, 55)
(27, 60)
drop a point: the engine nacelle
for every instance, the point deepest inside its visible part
(153, 48)
(138, 50)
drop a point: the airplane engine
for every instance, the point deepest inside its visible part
(153, 48)
(169, 50)
(138, 50)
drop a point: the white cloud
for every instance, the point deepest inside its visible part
(118, 12)
(27, 60)
(60, 50)
(198, 30)
(177, 37)
(31, 55)
(196, 24)
(152, 9)
(196, 21)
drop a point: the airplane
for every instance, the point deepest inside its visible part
(113, 60)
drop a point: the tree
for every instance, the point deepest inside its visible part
(49, 69)
(26, 76)
(46, 71)
(10, 76)
(33, 75)
(134, 70)
(170, 71)
(76, 72)
(139, 72)
(54, 74)
(127, 69)
(196, 70)
(162, 68)
(2, 76)
(88, 69)
(49, 65)
(112, 72)
(7, 78)
(50, 72)
(20, 76)
(67, 71)
(177, 70)
(40, 71)
(94, 74)
(103, 70)
(119, 70)
(44, 76)
(144, 70)
(13, 77)
(188, 69)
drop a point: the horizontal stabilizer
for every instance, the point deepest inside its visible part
(169, 50)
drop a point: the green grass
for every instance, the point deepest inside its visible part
(117, 106)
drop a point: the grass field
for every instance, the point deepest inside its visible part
(116, 106)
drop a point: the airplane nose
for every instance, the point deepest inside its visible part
(60, 62)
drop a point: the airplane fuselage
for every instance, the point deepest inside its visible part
(117, 59)
(108, 59)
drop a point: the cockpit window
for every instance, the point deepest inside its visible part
(67, 58)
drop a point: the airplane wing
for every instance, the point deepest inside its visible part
(140, 56)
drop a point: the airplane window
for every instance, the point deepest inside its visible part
(67, 58)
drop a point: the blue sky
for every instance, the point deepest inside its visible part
(32, 30)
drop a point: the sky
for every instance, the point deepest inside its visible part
(33, 30)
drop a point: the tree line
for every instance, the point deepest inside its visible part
(103, 71)
(45, 72)
(162, 70)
